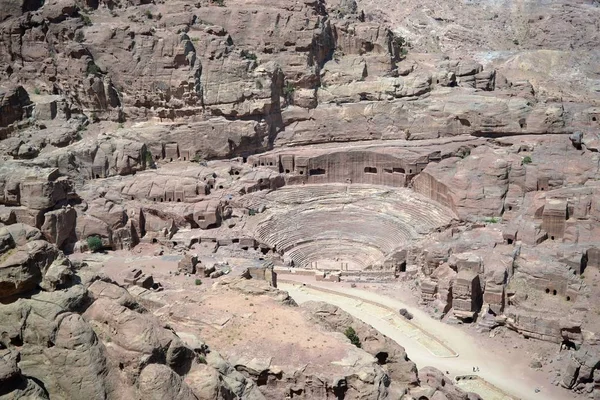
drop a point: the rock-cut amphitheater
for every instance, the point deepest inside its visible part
(345, 199)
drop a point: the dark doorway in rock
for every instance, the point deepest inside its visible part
(382, 357)
(464, 122)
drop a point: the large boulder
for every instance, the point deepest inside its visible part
(23, 268)
(59, 225)
(13, 101)
(402, 371)
(158, 382)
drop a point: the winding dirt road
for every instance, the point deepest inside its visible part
(426, 347)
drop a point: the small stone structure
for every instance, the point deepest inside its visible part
(263, 270)
(554, 217)
(187, 264)
(138, 278)
(466, 291)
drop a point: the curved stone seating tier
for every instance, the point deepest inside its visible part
(293, 195)
(335, 255)
(357, 225)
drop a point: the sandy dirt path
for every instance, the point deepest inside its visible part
(517, 380)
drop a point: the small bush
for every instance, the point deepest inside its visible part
(289, 89)
(148, 14)
(94, 243)
(527, 160)
(149, 159)
(248, 55)
(202, 359)
(351, 334)
(79, 37)
(198, 282)
(37, 91)
(220, 3)
(86, 20)
(93, 69)
(491, 220)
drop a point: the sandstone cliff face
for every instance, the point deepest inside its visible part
(69, 333)
(277, 74)
(92, 339)
(226, 123)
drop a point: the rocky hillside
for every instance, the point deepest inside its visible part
(128, 125)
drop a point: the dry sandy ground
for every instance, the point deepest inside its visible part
(503, 361)
(504, 371)
(257, 331)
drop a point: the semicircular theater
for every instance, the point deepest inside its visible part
(353, 228)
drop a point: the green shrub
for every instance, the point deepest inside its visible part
(289, 89)
(79, 37)
(37, 91)
(527, 160)
(148, 14)
(220, 3)
(351, 334)
(149, 159)
(491, 220)
(93, 69)
(248, 55)
(86, 20)
(94, 243)
(198, 282)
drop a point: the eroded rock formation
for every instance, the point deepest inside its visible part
(454, 146)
